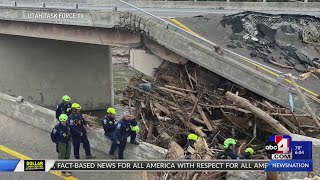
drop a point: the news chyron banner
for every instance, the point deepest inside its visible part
(288, 155)
(285, 155)
(132, 165)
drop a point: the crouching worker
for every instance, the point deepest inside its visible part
(134, 131)
(109, 126)
(78, 132)
(230, 150)
(126, 127)
(61, 135)
(247, 153)
(189, 147)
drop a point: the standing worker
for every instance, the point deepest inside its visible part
(126, 127)
(189, 147)
(61, 135)
(64, 107)
(78, 132)
(109, 126)
(247, 153)
(230, 150)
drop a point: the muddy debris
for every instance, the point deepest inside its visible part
(289, 40)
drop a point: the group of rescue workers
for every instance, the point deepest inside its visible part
(230, 149)
(72, 128)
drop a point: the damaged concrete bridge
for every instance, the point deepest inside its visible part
(28, 50)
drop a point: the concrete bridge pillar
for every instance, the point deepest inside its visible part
(43, 70)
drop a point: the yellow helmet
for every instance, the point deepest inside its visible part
(193, 137)
(75, 106)
(111, 110)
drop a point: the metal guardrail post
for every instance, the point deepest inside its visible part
(76, 6)
(14, 3)
(43, 4)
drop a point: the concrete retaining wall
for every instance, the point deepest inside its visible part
(42, 71)
(144, 62)
(44, 119)
(294, 6)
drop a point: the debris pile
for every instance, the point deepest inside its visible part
(285, 41)
(180, 100)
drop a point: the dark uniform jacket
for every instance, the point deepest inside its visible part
(63, 108)
(227, 154)
(76, 123)
(108, 124)
(61, 133)
(123, 129)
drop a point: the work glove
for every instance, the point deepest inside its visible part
(135, 129)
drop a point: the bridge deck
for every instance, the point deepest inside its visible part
(209, 27)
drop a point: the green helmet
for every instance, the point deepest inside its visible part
(63, 118)
(135, 129)
(229, 142)
(111, 110)
(66, 98)
(192, 137)
(249, 150)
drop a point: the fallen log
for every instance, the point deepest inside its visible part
(154, 96)
(144, 175)
(196, 129)
(203, 116)
(226, 107)
(261, 114)
(180, 89)
(161, 108)
(172, 91)
(313, 115)
(291, 125)
(205, 119)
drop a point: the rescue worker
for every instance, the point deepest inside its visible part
(78, 132)
(189, 147)
(109, 126)
(230, 150)
(61, 135)
(64, 107)
(247, 153)
(126, 127)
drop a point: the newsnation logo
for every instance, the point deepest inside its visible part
(288, 155)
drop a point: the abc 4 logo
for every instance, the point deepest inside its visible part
(281, 145)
